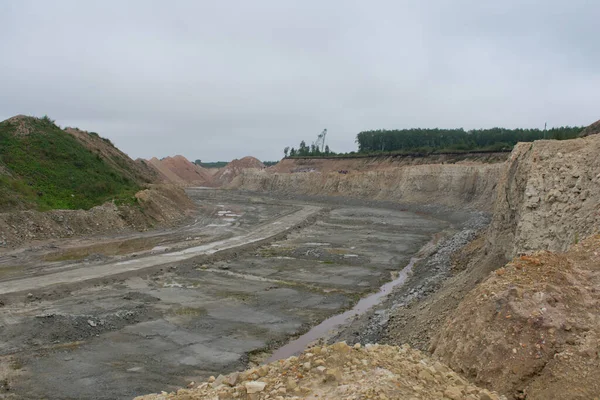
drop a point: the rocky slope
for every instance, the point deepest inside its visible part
(455, 185)
(340, 372)
(532, 328)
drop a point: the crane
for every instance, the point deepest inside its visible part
(320, 143)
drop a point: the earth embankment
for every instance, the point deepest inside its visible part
(157, 205)
(455, 185)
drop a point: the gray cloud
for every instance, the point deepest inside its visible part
(219, 80)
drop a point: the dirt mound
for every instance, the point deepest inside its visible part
(593, 129)
(532, 328)
(138, 172)
(165, 173)
(228, 173)
(179, 170)
(340, 372)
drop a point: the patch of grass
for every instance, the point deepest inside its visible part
(51, 169)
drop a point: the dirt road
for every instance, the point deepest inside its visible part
(81, 272)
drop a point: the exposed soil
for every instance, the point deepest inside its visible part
(228, 173)
(532, 328)
(340, 372)
(179, 170)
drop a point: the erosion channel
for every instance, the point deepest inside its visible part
(246, 275)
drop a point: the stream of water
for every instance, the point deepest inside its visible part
(322, 330)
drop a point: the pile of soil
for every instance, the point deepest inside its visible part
(179, 170)
(340, 372)
(226, 174)
(531, 330)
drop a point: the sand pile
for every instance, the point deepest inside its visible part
(226, 174)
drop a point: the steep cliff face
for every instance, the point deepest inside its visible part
(454, 185)
(548, 197)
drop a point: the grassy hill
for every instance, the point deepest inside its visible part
(45, 167)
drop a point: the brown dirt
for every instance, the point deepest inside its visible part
(532, 328)
(226, 174)
(593, 129)
(179, 170)
(340, 372)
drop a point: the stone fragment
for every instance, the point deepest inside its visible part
(254, 386)
(454, 393)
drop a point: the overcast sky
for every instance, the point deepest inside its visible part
(218, 80)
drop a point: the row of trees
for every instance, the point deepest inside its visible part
(307, 151)
(428, 140)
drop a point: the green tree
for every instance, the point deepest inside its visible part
(286, 150)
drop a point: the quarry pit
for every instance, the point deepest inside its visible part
(117, 317)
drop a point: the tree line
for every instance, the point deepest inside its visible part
(436, 140)
(307, 151)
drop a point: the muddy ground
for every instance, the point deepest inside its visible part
(159, 328)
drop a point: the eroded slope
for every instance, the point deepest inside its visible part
(532, 328)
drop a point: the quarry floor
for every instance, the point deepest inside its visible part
(116, 317)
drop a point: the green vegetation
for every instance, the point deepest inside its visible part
(216, 164)
(270, 163)
(307, 151)
(436, 141)
(439, 140)
(49, 168)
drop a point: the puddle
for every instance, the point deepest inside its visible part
(295, 347)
